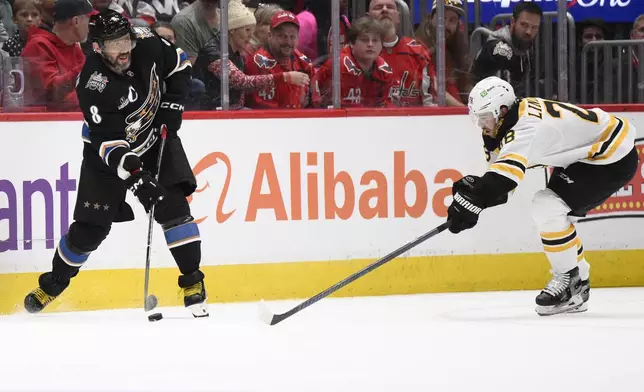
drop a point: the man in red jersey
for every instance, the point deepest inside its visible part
(410, 60)
(292, 90)
(366, 79)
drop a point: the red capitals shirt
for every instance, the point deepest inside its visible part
(282, 95)
(413, 73)
(359, 89)
(53, 67)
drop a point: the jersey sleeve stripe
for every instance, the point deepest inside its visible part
(557, 234)
(85, 133)
(512, 162)
(515, 157)
(616, 138)
(508, 171)
(109, 146)
(182, 62)
(606, 133)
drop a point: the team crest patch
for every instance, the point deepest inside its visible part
(503, 49)
(143, 32)
(351, 67)
(97, 82)
(264, 62)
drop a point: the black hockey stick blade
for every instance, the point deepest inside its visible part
(271, 319)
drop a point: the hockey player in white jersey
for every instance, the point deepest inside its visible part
(592, 153)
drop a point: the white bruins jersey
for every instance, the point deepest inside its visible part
(551, 133)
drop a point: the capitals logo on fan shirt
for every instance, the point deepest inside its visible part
(351, 67)
(386, 68)
(264, 62)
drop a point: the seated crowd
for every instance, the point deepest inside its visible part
(279, 55)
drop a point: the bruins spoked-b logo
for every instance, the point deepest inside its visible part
(141, 119)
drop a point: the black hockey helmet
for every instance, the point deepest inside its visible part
(108, 25)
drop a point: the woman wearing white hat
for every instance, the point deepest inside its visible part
(208, 66)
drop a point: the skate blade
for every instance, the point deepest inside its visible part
(199, 310)
(575, 305)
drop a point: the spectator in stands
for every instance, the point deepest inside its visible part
(6, 18)
(630, 66)
(195, 25)
(281, 57)
(588, 31)
(26, 14)
(4, 36)
(637, 32)
(100, 5)
(458, 83)
(345, 25)
(54, 55)
(365, 78)
(409, 59)
(506, 53)
(308, 38)
(263, 15)
(208, 67)
(164, 29)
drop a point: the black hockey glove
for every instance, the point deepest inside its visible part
(465, 209)
(170, 113)
(145, 188)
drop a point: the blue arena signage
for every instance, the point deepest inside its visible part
(607, 10)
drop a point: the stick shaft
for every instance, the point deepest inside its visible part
(148, 255)
(279, 317)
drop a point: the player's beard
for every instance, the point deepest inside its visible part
(116, 64)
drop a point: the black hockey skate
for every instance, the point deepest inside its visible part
(563, 294)
(36, 300)
(194, 293)
(49, 289)
(585, 296)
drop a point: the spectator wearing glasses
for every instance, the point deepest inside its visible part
(54, 55)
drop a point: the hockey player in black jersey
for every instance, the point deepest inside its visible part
(134, 82)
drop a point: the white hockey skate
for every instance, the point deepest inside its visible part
(564, 293)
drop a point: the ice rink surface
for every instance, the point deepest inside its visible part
(470, 342)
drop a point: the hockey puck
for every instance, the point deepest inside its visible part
(155, 317)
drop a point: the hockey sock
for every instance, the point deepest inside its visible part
(184, 242)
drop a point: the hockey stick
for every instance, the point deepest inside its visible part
(151, 301)
(271, 319)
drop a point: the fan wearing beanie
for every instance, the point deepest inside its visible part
(208, 66)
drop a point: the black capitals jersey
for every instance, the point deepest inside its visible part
(119, 110)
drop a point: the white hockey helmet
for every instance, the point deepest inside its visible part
(487, 98)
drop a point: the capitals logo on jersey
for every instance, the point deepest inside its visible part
(351, 67)
(403, 91)
(141, 119)
(264, 62)
(386, 68)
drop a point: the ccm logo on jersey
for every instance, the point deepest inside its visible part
(172, 106)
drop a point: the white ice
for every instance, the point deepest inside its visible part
(470, 342)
